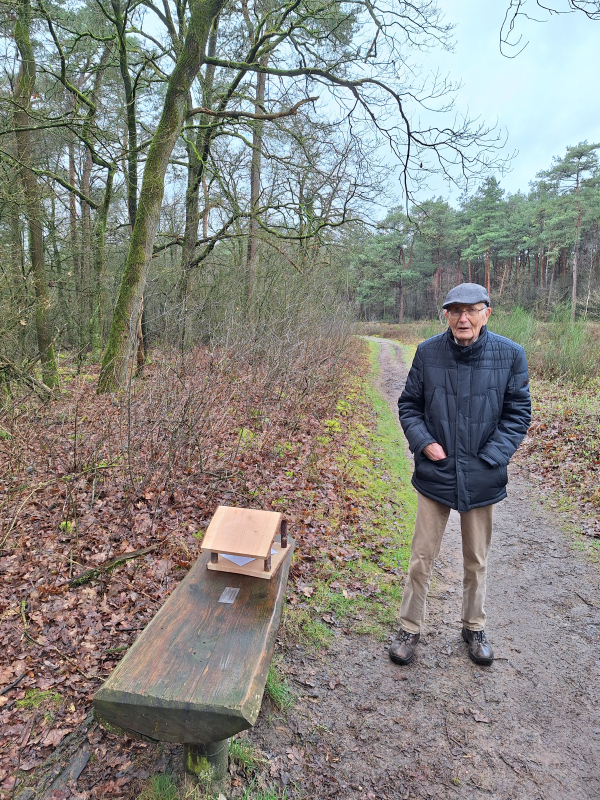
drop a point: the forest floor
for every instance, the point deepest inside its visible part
(442, 727)
(339, 719)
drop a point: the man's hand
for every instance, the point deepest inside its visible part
(434, 452)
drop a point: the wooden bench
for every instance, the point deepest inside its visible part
(197, 673)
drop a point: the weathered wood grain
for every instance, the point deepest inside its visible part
(197, 673)
(241, 531)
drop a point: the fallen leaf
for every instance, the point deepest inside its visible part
(30, 763)
(55, 737)
(478, 717)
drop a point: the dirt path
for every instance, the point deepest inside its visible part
(528, 727)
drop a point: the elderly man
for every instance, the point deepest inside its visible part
(464, 410)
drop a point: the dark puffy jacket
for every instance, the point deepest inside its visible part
(474, 401)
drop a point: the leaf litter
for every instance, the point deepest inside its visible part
(103, 506)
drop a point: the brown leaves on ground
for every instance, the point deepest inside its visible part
(88, 478)
(562, 449)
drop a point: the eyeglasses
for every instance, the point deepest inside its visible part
(456, 313)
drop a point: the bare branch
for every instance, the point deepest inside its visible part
(249, 115)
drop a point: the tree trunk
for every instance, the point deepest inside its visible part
(130, 168)
(16, 253)
(100, 261)
(575, 254)
(22, 100)
(131, 176)
(400, 303)
(196, 178)
(73, 211)
(551, 286)
(255, 167)
(122, 338)
(86, 251)
(503, 277)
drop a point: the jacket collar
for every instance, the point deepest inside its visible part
(469, 351)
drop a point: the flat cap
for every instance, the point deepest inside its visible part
(467, 294)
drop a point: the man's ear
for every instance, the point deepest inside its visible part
(488, 311)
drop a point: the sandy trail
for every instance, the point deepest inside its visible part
(527, 727)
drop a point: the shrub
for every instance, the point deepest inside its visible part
(559, 349)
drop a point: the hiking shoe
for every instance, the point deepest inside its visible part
(402, 649)
(480, 650)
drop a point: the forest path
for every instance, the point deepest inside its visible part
(526, 728)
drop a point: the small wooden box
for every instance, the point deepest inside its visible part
(246, 533)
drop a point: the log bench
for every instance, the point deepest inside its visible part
(197, 673)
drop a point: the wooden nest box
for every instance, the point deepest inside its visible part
(242, 541)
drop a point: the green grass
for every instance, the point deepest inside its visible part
(277, 687)
(245, 754)
(161, 787)
(166, 787)
(300, 625)
(377, 474)
(252, 793)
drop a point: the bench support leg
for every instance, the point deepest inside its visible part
(200, 758)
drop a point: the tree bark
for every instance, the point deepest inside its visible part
(22, 99)
(73, 209)
(575, 253)
(255, 169)
(131, 175)
(86, 249)
(100, 261)
(196, 178)
(122, 338)
(16, 253)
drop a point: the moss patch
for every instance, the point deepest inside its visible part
(358, 586)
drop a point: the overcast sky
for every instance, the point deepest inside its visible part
(547, 98)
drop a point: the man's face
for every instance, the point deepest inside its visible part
(466, 321)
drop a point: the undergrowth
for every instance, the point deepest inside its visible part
(355, 576)
(168, 787)
(278, 688)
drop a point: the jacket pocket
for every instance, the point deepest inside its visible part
(439, 472)
(485, 480)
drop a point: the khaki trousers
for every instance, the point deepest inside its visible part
(476, 530)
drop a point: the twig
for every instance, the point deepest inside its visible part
(106, 566)
(23, 617)
(587, 602)
(127, 630)
(16, 374)
(12, 685)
